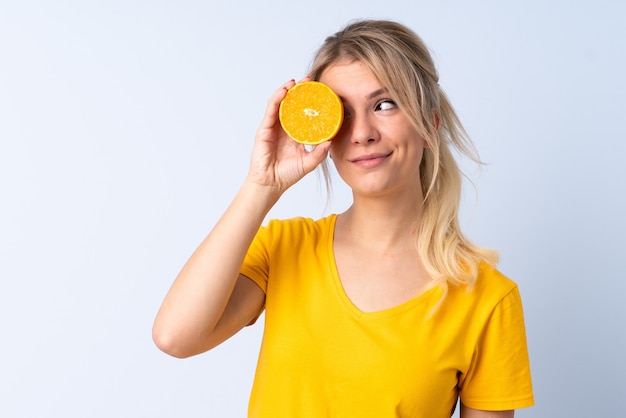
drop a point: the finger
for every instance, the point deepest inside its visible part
(316, 155)
(271, 112)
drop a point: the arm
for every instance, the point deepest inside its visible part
(475, 413)
(210, 301)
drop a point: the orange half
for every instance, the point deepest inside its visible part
(311, 113)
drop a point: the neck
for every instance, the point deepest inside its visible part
(383, 223)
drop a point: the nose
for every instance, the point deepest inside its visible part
(362, 129)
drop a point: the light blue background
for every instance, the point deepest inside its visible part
(125, 130)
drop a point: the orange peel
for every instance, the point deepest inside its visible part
(311, 113)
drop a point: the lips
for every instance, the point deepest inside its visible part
(370, 157)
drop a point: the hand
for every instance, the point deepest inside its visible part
(277, 160)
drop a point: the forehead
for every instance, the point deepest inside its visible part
(350, 77)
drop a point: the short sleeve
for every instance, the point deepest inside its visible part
(499, 377)
(256, 263)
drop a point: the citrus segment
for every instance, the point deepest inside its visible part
(311, 113)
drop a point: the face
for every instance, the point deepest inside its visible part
(377, 151)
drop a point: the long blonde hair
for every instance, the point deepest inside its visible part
(402, 63)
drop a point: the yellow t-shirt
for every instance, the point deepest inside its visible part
(323, 357)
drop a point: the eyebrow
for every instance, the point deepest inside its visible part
(377, 93)
(371, 95)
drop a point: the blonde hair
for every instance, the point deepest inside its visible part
(402, 63)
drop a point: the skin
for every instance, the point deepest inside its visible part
(377, 153)
(210, 301)
(474, 413)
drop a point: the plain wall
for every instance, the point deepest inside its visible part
(125, 130)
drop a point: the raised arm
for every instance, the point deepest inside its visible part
(210, 301)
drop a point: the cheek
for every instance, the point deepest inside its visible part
(337, 153)
(344, 130)
(338, 145)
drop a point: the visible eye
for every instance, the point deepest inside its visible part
(385, 104)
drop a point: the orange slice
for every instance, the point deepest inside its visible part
(311, 113)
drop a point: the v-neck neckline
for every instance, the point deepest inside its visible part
(351, 307)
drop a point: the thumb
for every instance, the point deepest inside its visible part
(316, 156)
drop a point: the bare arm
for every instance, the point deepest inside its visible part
(209, 300)
(475, 413)
(187, 323)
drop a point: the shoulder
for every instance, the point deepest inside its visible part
(298, 226)
(492, 281)
(284, 243)
(489, 290)
(290, 234)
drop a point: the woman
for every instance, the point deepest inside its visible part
(385, 310)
